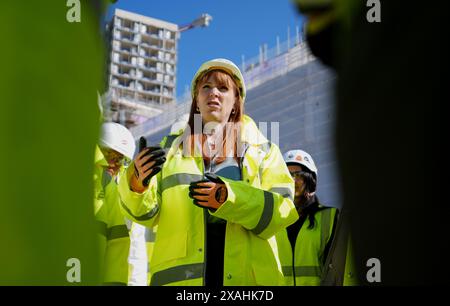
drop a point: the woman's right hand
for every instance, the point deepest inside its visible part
(146, 164)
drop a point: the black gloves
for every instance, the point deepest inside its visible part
(208, 193)
(146, 164)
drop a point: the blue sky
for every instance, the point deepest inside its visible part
(238, 28)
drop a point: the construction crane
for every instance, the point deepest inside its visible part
(202, 21)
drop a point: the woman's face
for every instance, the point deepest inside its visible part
(299, 183)
(216, 98)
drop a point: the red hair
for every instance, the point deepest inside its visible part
(222, 78)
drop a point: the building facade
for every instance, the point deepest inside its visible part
(142, 67)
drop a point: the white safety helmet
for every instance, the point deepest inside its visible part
(220, 64)
(117, 137)
(301, 158)
(179, 125)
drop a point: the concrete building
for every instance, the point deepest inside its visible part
(141, 69)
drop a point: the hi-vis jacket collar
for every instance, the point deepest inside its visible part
(250, 135)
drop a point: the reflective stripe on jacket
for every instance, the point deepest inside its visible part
(256, 208)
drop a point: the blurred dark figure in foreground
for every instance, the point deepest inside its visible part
(389, 57)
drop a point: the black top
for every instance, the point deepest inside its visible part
(309, 211)
(215, 228)
(311, 207)
(215, 249)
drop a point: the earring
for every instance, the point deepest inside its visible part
(197, 109)
(233, 111)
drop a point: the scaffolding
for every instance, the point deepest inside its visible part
(275, 62)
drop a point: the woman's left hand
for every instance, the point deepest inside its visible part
(209, 193)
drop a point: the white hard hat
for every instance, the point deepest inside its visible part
(179, 125)
(302, 158)
(117, 137)
(220, 64)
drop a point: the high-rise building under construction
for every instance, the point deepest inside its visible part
(141, 68)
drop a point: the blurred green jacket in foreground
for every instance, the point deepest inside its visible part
(51, 72)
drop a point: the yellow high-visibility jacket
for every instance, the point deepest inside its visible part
(305, 266)
(99, 193)
(99, 200)
(256, 209)
(306, 262)
(116, 234)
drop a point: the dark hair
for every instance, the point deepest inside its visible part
(311, 204)
(309, 180)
